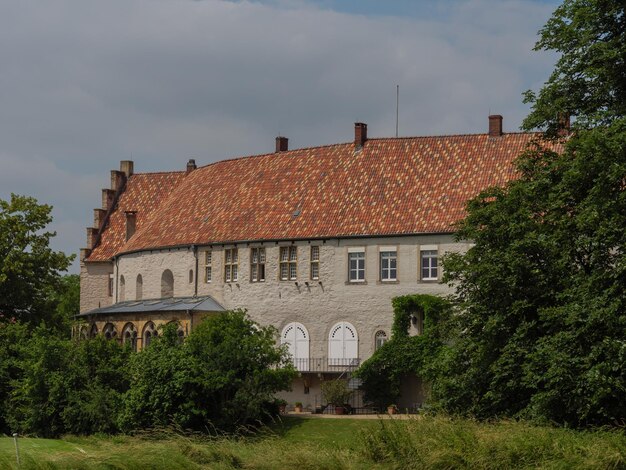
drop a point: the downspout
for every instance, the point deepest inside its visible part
(195, 254)
(117, 268)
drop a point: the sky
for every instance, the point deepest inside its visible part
(85, 84)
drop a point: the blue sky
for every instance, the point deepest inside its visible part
(86, 83)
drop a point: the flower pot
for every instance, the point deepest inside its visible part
(297, 409)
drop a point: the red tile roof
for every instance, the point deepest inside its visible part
(390, 186)
(144, 192)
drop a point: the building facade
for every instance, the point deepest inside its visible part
(315, 242)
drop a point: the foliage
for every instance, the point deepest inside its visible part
(66, 386)
(29, 268)
(13, 337)
(223, 376)
(383, 373)
(336, 391)
(428, 442)
(542, 290)
(66, 301)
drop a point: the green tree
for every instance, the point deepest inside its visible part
(29, 268)
(543, 289)
(224, 376)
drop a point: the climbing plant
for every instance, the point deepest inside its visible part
(382, 374)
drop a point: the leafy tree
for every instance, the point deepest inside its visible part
(543, 289)
(64, 386)
(224, 375)
(29, 268)
(13, 338)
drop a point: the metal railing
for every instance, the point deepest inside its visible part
(326, 364)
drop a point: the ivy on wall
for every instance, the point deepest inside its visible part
(382, 374)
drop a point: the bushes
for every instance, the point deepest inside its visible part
(223, 376)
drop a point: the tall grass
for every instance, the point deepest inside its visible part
(444, 443)
(302, 444)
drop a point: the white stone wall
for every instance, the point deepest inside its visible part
(318, 305)
(94, 285)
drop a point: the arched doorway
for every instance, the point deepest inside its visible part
(343, 345)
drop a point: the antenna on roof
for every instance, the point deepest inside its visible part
(397, 106)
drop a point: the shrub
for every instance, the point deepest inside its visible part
(336, 392)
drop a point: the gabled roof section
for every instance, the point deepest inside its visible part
(389, 186)
(144, 192)
(174, 304)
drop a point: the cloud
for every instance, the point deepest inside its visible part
(84, 84)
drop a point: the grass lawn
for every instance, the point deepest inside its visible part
(301, 443)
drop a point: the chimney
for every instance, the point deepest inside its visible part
(126, 167)
(282, 144)
(495, 125)
(360, 134)
(131, 223)
(191, 165)
(563, 125)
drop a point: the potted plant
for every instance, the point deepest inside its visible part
(282, 405)
(298, 407)
(336, 392)
(392, 409)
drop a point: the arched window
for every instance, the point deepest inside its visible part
(167, 284)
(84, 332)
(129, 336)
(94, 331)
(122, 295)
(296, 336)
(139, 287)
(149, 332)
(109, 331)
(343, 345)
(380, 338)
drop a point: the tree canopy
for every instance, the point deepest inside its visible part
(543, 288)
(30, 271)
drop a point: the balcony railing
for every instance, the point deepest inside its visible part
(326, 364)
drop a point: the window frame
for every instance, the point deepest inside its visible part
(231, 265)
(208, 266)
(354, 252)
(255, 267)
(314, 262)
(387, 250)
(378, 336)
(430, 253)
(290, 262)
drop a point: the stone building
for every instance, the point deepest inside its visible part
(315, 241)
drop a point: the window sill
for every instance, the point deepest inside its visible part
(356, 283)
(394, 281)
(429, 281)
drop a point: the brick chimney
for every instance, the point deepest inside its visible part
(282, 144)
(495, 125)
(360, 134)
(191, 165)
(131, 223)
(563, 125)
(126, 167)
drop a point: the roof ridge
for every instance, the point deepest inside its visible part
(157, 172)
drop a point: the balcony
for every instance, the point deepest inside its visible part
(326, 364)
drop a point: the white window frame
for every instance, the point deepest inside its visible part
(208, 266)
(288, 263)
(231, 265)
(315, 262)
(380, 338)
(388, 253)
(257, 264)
(428, 253)
(356, 275)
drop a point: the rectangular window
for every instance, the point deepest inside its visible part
(230, 265)
(257, 264)
(208, 268)
(388, 265)
(288, 263)
(110, 286)
(429, 265)
(315, 263)
(356, 266)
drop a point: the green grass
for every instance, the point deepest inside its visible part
(301, 443)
